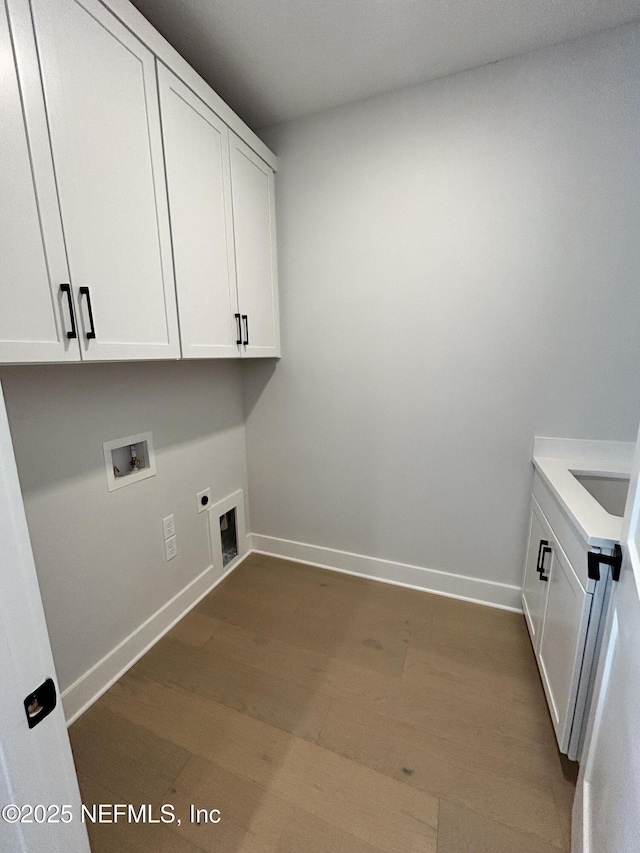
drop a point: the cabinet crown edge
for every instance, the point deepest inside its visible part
(135, 21)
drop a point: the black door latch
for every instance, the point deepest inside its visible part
(614, 560)
(41, 703)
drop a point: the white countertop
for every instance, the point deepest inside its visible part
(556, 458)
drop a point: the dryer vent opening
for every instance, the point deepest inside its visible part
(228, 536)
(227, 532)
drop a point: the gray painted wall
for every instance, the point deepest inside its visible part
(99, 554)
(459, 270)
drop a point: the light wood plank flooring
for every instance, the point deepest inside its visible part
(322, 713)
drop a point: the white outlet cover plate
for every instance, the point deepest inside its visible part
(205, 492)
(169, 527)
(171, 548)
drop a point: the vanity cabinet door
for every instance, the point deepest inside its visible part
(562, 641)
(535, 588)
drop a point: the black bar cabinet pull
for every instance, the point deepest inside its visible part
(66, 288)
(84, 291)
(245, 317)
(239, 341)
(545, 551)
(542, 542)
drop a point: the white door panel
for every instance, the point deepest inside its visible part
(36, 766)
(196, 146)
(606, 813)
(562, 642)
(35, 314)
(534, 591)
(252, 186)
(102, 105)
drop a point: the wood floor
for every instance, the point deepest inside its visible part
(322, 713)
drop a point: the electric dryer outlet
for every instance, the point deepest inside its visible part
(203, 499)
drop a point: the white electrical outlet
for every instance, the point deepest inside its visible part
(171, 548)
(204, 499)
(169, 527)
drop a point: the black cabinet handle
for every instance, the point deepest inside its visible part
(545, 551)
(84, 291)
(542, 542)
(245, 317)
(239, 341)
(66, 288)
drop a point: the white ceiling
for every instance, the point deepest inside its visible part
(273, 60)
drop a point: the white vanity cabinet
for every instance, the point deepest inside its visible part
(557, 609)
(36, 314)
(573, 557)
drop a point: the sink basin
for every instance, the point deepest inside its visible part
(608, 489)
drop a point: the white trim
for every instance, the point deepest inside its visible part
(158, 45)
(500, 595)
(89, 687)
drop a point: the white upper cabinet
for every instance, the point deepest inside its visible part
(102, 106)
(196, 148)
(101, 203)
(252, 186)
(36, 315)
(221, 202)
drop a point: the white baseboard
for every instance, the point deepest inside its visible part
(90, 686)
(97, 680)
(491, 593)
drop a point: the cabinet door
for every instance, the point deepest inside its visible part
(562, 642)
(535, 589)
(196, 150)
(252, 187)
(35, 313)
(102, 106)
